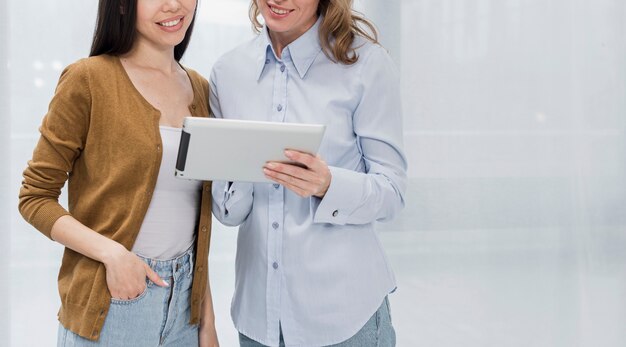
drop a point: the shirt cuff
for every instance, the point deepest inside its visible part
(344, 195)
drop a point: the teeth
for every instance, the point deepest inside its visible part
(278, 11)
(170, 23)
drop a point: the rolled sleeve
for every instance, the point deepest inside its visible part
(232, 201)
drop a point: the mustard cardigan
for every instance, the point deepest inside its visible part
(103, 137)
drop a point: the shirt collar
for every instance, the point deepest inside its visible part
(303, 50)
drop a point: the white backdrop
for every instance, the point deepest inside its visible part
(5, 189)
(515, 117)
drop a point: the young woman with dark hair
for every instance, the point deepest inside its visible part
(134, 270)
(310, 269)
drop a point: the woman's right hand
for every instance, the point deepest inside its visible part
(126, 275)
(125, 272)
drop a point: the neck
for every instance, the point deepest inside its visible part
(280, 40)
(278, 46)
(146, 56)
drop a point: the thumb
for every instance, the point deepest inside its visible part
(154, 277)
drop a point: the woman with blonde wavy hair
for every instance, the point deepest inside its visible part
(310, 270)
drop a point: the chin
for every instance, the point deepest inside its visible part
(278, 27)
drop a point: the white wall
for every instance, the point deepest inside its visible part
(5, 157)
(514, 111)
(515, 119)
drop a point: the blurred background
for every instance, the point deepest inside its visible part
(514, 233)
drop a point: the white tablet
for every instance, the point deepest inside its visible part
(236, 150)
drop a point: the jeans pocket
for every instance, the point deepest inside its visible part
(133, 300)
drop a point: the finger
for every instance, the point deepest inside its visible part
(154, 277)
(306, 159)
(115, 295)
(291, 170)
(309, 181)
(287, 183)
(315, 165)
(286, 178)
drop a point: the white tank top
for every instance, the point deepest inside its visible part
(169, 226)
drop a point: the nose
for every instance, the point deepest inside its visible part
(171, 5)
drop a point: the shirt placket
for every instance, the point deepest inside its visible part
(276, 217)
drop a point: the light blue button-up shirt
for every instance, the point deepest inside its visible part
(313, 267)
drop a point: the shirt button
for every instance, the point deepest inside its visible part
(276, 185)
(275, 265)
(282, 68)
(203, 228)
(193, 107)
(267, 61)
(335, 213)
(279, 108)
(275, 225)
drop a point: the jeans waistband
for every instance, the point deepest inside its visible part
(169, 267)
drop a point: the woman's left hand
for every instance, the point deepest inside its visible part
(311, 180)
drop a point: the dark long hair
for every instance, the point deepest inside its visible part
(116, 30)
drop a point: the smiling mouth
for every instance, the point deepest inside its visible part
(170, 23)
(279, 11)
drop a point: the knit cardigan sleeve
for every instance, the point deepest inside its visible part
(63, 135)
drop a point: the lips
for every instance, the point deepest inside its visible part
(279, 11)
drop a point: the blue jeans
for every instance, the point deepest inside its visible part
(377, 332)
(157, 317)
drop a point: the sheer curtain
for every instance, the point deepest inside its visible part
(514, 113)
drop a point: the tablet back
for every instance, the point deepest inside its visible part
(236, 150)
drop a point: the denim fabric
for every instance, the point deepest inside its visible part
(157, 317)
(377, 332)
